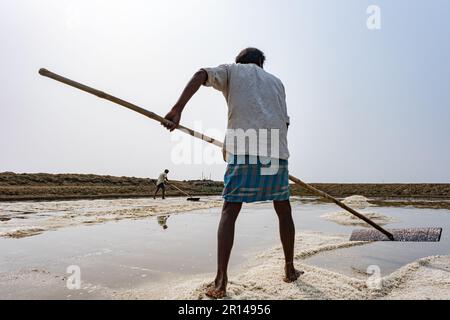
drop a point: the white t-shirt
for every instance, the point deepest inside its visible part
(162, 178)
(256, 100)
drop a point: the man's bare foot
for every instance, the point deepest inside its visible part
(217, 289)
(214, 293)
(292, 274)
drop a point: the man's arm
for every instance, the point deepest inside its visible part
(191, 88)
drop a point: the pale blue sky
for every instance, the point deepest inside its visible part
(365, 106)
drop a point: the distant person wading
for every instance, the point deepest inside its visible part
(256, 101)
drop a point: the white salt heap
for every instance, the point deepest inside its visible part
(358, 203)
(347, 219)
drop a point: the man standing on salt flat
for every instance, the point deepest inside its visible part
(161, 184)
(257, 170)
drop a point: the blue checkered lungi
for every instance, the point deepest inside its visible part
(246, 181)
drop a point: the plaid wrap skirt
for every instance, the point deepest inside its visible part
(247, 179)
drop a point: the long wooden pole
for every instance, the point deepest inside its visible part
(154, 116)
(184, 192)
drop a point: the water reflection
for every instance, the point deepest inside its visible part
(162, 221)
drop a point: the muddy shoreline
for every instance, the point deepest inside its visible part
(49, 187)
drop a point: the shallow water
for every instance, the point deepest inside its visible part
(389, 256)
(127, 253)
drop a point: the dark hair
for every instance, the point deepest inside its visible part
(251, 55)
(166, 171)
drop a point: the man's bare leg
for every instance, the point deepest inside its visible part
(225, 238)
(156, 192)
(287, 235)
(163, 192)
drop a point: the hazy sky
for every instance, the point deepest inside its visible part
(365, 105)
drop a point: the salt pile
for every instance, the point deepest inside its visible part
(358, 203)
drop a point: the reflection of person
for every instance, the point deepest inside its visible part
(256, 101)
(162, 221)
(161, 184)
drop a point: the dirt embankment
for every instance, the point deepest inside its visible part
(44, 186)
(381, 190)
